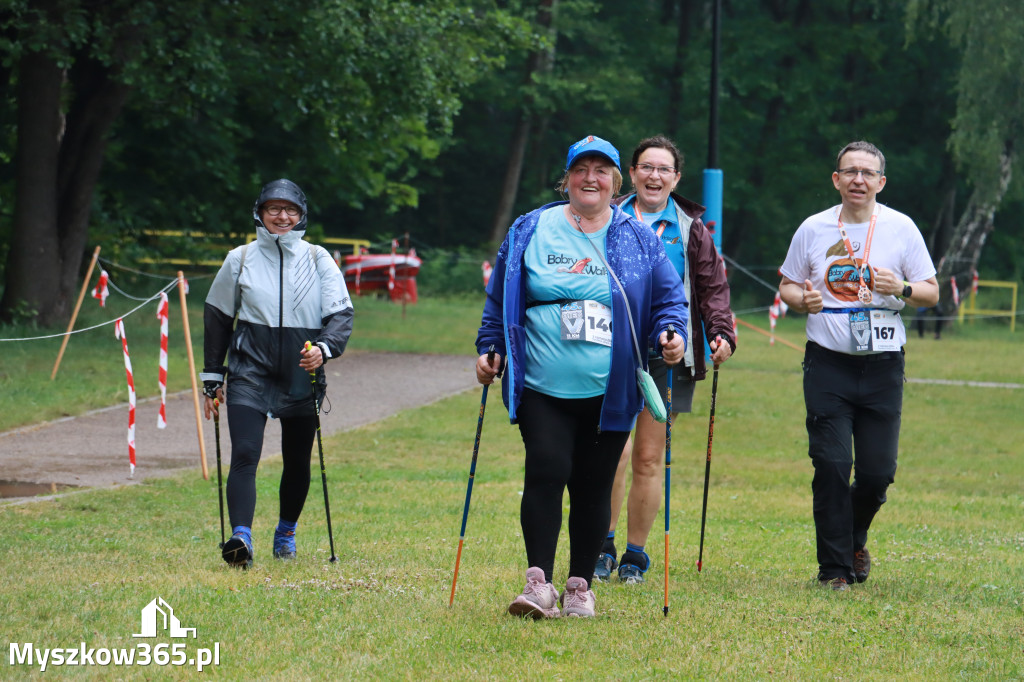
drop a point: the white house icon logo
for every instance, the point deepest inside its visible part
(156, 611)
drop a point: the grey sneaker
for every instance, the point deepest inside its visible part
(605, 565)
(631, 574)
(539, 598)
(578, 600)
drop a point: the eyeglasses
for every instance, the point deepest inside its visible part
(852, 173)
(291, 211)
(648, 169)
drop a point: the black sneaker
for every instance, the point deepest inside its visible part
(861, 564)
(605, 565)
(237, 552)
(837, 584)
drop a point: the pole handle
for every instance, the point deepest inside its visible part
(309, 345)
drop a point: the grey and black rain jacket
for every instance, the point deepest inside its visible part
(284, 292)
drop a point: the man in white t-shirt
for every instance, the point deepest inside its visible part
(852, 269)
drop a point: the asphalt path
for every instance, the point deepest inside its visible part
(92, 451)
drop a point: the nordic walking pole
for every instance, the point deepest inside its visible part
(323, 468)
(472, 473)
(668, 462)
(74, 315)
(220, 485)
(707, 465)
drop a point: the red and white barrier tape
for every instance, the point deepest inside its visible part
(100, 291)
(119, 333)
(162, 315)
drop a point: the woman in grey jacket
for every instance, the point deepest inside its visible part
(284, 292)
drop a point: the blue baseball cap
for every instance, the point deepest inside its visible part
(592, 145)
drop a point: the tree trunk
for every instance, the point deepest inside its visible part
(538, 62)
(961, 257)
(675, 88)
(57, 168)
(33, 272)
(98, 101)
(510, 185)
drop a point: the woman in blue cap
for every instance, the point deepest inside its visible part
(284, 291)
(578, 286)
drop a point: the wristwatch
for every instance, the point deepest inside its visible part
(908, 291)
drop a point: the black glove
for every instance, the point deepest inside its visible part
(210, 388)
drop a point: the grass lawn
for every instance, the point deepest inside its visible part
(944, 599)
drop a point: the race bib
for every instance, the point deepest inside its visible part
(860, 330)
(587, 321)
(883, 330)
(874, 330)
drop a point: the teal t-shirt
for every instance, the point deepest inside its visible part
(561, 266)
(671, 238)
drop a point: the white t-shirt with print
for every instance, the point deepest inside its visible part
(817, 253)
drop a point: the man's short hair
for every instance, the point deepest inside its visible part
(862, 146)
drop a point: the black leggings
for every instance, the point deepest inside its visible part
(564, 449)
(297, 433)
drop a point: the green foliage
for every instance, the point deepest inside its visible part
(989, 119)
(346, 98)
(396, 116)
(455, 272)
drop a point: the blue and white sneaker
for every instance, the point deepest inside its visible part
(284, 545)
(605, 565)
(237, 551)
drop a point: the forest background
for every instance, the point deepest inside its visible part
(445, 119)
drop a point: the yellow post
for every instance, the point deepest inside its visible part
(971, 306)
(74, 315)
(192, 374)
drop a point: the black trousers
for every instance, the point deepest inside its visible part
(854, 403)
(297, 433)
(565, 450)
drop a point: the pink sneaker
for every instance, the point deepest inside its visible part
(539, 598)
(578, 600)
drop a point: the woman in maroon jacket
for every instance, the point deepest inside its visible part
(655, 171)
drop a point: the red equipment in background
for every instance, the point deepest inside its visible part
(370, 272)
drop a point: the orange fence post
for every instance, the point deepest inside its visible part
(192, 374)
(74, 315)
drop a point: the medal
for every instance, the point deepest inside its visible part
(863, 293)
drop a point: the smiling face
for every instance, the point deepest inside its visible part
(651, 179)
(591, 183)
(288, 215)
(858, 192)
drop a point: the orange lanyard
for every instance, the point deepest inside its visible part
(867, 243)
(640, 217)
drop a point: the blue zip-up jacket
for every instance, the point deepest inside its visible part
(652, 286)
